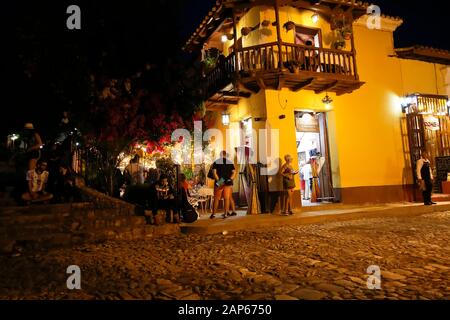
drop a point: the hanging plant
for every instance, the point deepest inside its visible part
(339, 44)
(347, 33)
(266, 23)
(245, 31)
(289, 25)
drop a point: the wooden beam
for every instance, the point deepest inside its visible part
(261, 83)
(235, 50)
(327, 87)
(279, 40)
(235, 94)
(303, 84)
(281, 80)
(223, 101)
(253, 88)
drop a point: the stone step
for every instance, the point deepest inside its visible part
(66, 225)
(61, 239)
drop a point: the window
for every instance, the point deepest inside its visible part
(308, 36)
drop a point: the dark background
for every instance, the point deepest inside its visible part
(45, 67)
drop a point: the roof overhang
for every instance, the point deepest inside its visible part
(223, 11)
(426, 54)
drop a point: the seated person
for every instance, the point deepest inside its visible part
(165, 198)
(184, 185)
(65, 185)
(37, 181)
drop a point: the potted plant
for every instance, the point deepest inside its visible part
(294, 66)
(347, 33)
(339, 44)
(339, 41)
(289, 25)
(265, 23)
(245, 31)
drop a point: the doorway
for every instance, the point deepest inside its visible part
(313, 157)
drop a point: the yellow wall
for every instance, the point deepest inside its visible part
(269, 34)
(366, 137)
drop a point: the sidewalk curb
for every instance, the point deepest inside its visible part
(264, 221)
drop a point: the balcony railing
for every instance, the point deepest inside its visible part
(298, 59)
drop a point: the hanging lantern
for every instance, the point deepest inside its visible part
(226, 119)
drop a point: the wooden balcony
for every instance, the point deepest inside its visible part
(297, 67)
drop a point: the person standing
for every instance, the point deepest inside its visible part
(307, 176)
(134, 172)
(288, 173)
(425, 177)
(31, 144)
(224, 173)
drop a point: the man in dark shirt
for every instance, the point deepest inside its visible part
(425, 177)
(224, 173)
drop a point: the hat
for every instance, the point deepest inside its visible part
(28, 126)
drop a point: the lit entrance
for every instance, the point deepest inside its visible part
(313, 155)
(428, 128)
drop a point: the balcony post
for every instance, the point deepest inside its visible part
(354, 53)
(235, 50)
(277, 16)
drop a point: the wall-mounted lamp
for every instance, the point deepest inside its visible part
(227, 37)
(226, 119)
(315, 18)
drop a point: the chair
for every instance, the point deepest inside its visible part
(202, 201)
(205, 196)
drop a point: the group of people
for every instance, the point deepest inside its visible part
(42, 176)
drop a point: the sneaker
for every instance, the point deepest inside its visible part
(233, 214)
(224, 216)
(212, 216)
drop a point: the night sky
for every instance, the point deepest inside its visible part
(44, 65)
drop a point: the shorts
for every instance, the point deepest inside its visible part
(222, 191)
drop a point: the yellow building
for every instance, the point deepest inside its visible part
(327, 76)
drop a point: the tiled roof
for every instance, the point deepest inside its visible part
(423, 53)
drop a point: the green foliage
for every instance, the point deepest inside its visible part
(187, 171)
(167, 167)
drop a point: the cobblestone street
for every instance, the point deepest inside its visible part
(322, 261)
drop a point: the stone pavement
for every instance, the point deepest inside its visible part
(326, 260)
(308, 215)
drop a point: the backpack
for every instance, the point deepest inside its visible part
(189, 213)
(210, 172)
